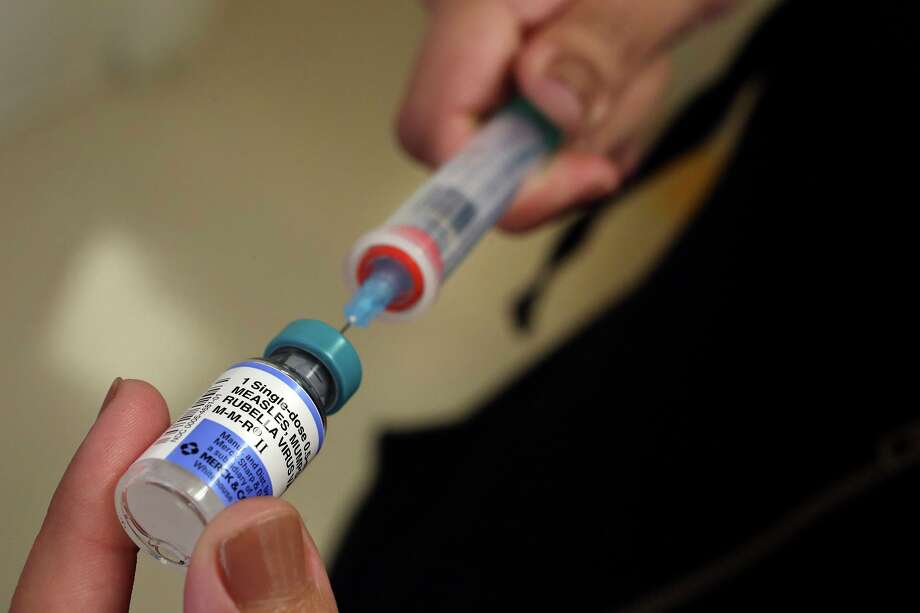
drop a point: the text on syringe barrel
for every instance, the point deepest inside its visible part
(470, 193)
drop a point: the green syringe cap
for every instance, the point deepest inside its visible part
(526, 109)
(336, 353)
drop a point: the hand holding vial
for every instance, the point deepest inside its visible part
(255, 556)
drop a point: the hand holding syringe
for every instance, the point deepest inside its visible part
(398, 268)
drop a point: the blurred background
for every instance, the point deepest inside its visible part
(181, 178)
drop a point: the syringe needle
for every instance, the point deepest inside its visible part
(345, 327)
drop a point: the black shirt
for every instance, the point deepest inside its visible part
(721, 439)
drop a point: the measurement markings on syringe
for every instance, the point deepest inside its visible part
(443, 212)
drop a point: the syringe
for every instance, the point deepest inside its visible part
(397, 269)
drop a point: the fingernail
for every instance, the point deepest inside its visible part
(113, 391)
(566, 91)
(264, 564)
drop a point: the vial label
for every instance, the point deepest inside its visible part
(250, 434)
(232, 469)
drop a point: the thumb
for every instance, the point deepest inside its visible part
(577, 67)
(257, 556)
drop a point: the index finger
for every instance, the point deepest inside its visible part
(81, 559)
(462, 70)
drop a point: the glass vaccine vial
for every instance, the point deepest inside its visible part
(251, 433)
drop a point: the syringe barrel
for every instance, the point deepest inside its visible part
(444, 219)
(468, 195)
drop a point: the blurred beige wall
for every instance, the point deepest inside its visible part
(54, 55)
(184, 205)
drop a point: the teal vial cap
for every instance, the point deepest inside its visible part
(336, 353)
